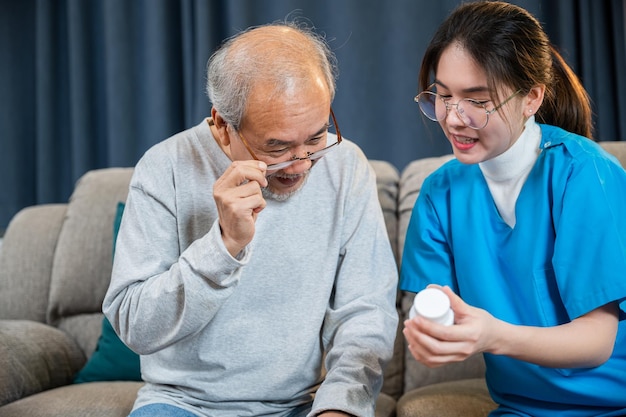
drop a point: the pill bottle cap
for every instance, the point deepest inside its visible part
(433, 304)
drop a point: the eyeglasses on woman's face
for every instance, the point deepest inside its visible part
(473, 113)
(311, 156)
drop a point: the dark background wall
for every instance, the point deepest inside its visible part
(92, 84)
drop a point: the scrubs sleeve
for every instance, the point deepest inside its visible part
(590, 250)
(427, 258)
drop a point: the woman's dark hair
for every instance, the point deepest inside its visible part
(513, 49)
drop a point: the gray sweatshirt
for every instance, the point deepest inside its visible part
(306, 312)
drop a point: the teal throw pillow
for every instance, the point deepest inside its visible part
(112, 359)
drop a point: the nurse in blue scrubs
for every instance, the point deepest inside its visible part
(525, 229)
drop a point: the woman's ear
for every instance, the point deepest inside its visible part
(534, 99)
(221, 128)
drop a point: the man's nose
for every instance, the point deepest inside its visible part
(300, 165)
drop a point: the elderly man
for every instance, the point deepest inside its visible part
(253, 273)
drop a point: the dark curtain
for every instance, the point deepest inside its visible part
(92, 84)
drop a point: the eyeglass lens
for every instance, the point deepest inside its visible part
(312, 157)
(472, 113)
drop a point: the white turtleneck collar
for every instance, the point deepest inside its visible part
(507, 172)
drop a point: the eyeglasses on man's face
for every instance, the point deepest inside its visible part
(473, 113)
(311, 156)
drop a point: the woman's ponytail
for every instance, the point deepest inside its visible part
(566, 103)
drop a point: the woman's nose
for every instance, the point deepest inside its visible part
(454, 116)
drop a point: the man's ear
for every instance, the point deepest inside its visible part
(221, 127)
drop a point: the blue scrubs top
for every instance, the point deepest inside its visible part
(565, 256)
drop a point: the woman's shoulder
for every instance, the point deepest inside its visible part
(574, 148)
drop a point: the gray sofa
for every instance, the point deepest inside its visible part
(55, 265)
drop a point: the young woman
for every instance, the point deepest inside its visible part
(525, 230)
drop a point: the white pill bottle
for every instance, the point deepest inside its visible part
(432, 304)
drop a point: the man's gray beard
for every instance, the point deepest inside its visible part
(269, 194)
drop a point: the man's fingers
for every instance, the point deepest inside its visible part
(251, 197)
(241, 172)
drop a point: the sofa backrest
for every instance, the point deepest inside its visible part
(83, 258)
(26, 261)
(387, 179)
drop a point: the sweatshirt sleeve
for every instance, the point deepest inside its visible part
(158, 281)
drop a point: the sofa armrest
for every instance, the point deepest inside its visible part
(35, 357)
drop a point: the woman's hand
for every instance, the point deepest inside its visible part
(435, 345)
(586, 341)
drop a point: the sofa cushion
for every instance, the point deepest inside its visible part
(467, 398)
(94, 399)
(385, 406)
(387, 178)
(34, 357)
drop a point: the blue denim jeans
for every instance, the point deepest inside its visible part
(160, 410)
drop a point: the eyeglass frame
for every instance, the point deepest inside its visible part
(282, 165)
(471, 100)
